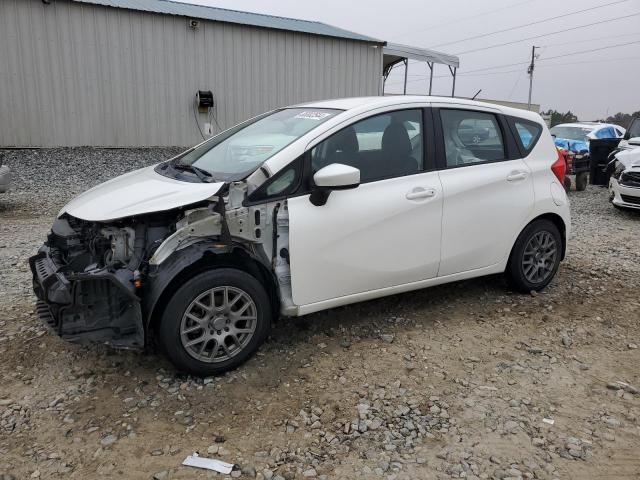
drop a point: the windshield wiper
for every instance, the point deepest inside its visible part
(201, 173)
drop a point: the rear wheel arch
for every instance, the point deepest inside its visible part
(559, 223)
(556, 220)
(517, 276)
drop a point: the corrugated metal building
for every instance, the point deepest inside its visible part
(125, 72)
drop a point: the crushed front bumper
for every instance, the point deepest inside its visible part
(87, 307)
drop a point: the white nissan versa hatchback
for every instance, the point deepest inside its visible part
(299, 210)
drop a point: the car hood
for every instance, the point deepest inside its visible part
(575, 146)
(629, 158)
(137, 193)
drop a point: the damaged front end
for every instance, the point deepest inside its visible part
(104, 281)
(85, 277)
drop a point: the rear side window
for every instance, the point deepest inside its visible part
(528, 134)
(471, 137)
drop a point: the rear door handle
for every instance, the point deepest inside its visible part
(516, 175)
(419, 193)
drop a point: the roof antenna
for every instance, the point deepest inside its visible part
(477, 93)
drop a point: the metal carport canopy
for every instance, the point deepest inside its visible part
(394, 53)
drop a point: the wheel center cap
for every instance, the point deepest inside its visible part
(219, 323)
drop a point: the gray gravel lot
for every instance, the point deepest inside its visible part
(450, 382)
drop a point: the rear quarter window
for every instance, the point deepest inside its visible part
(527, 133)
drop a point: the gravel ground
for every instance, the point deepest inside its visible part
(462, 380)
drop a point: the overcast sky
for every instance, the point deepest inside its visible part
(591, 85)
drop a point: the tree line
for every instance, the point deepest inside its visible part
(622, 119)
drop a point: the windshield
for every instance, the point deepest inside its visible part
(239, 151)
(634, 128)
(571, 133)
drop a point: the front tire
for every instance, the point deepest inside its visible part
(215, 322)
(535, 257)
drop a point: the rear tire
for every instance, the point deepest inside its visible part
(215, 322)
(582, 179)
(535, 257)
(567, 184)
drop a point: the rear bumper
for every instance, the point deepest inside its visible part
(87, 307)
(5, 178)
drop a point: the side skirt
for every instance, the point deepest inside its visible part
(383, 292)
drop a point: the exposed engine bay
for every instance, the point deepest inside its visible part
(101, 281)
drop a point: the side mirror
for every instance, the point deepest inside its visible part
(634, 141)
(333, 177)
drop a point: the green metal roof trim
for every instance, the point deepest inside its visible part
(233, 16)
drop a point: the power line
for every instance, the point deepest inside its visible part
(585, 40)
(600, 22)
(447, 24)
(590, 50)
(551, 58)
(532, 23)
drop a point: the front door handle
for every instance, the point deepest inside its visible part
(419, 193)
(516, 175)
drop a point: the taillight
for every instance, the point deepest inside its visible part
(559, 168)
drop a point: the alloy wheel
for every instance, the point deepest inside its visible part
(539, 258)
(218, 324)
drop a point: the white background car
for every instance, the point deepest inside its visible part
(585, 131)
(624, 184)
(5, 177)
(299, 210)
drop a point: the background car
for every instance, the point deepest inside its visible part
(575, 136)
(5, 177)
(573, 139)
(624, 183)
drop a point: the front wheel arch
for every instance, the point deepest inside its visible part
(236, 259)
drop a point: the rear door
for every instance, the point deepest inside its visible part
(488, 190)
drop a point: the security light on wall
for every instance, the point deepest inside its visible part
(194, 24)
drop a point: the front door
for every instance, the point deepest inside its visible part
(385, 232)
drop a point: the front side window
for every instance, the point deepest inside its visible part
(383, 146)
(471, 137)
(283, 184)
(236, 153)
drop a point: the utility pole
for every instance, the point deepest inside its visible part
(530, 72)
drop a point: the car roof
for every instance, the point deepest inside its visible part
(362, 103)
(588, 125)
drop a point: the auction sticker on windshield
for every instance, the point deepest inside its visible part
(313, 115)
